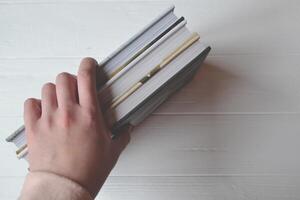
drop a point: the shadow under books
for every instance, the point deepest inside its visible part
(207, 89)
(205, 92)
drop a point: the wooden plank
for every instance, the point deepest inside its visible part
(230, 134)
(241, 84)
(164, 187)
(225, 84)
(36, 29)
(71, 30)
(201, 145)
(213, 145)
(208, 188)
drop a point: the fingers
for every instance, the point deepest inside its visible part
(66, 90)
(32, 112)
(120, 142)
(49, 99)
(87, 83)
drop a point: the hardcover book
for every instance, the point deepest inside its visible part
(143, 72)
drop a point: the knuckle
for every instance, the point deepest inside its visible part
(65, 119)
(47, 122)
(89, 121)
(91, 110)
(90, 117)
(84, 73)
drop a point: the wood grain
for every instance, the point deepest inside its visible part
(207, 187)
(209, 144)
(225, 84)
(232, 133)
(70, 29)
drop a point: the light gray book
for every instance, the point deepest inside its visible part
(144, 72)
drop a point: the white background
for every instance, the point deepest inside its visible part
(232, 133)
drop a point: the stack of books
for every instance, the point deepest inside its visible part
(143, 72)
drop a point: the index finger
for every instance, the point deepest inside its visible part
(86, 80)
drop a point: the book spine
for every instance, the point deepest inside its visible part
(182, 77)
(145, 53)
(134, 37)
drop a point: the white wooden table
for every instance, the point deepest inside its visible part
(232, 133)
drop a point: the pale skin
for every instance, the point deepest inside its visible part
(66, 131)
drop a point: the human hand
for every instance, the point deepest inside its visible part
(66, 132)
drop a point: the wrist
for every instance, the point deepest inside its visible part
(52, 185)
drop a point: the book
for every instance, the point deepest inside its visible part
(143, 72)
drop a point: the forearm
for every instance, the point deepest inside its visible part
(48, 186)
